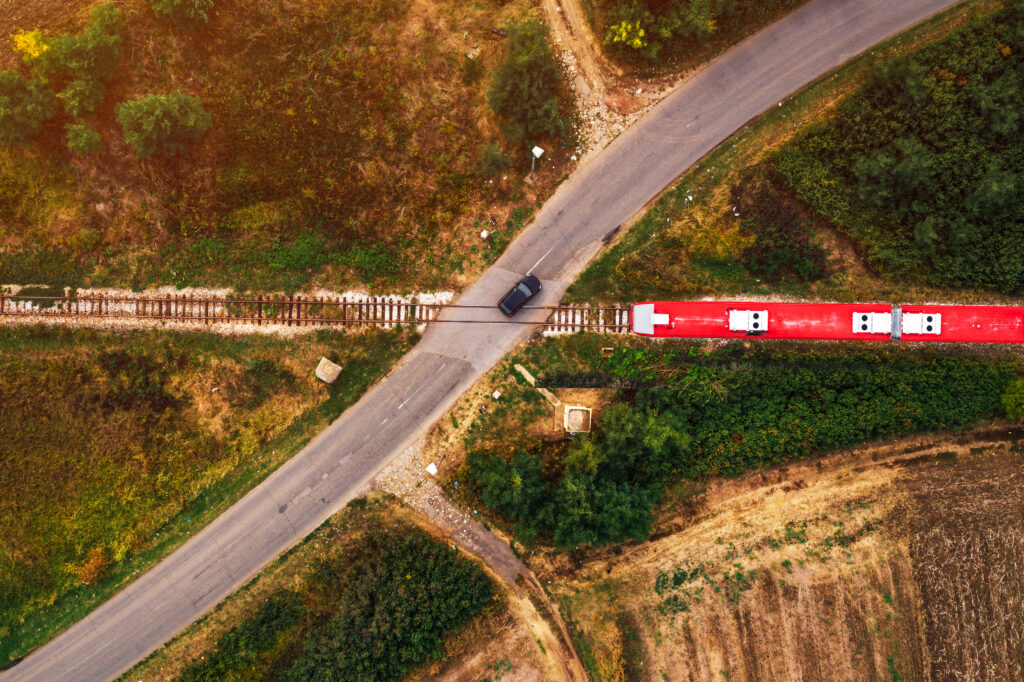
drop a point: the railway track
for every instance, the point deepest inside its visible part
(275, 312)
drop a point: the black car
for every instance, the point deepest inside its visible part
(516, 298)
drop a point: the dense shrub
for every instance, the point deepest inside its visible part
(524, 93)
(82, 139)
(782, 243)
(24, 106)
(185, 14)
(924, 164)
(400, 592)
(1013, 399)
(239, 647)
(158, 123)
(81, 66)
(697, 416)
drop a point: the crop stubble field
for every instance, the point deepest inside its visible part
(885, 571)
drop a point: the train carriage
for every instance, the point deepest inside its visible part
(828, 321)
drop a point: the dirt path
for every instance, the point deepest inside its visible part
(607, 100)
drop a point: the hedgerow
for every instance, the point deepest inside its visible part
(697, 415)
(239, 647)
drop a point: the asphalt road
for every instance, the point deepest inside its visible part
(565, 235)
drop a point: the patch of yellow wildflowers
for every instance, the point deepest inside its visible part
(29, 44)
(629, 33)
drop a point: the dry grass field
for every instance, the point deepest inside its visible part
(847, 570)
(345, 149)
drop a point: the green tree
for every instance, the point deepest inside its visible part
(158, 123)
(525, 88)
(94, 54)
(82, 139)
(24, 106)
(187, 15)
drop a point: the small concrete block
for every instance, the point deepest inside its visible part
(496, 395)
(327, 371)
(577, 419)
(432, 469)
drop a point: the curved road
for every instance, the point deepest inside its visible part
(334, 467)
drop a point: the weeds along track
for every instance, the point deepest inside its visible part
(275, 313)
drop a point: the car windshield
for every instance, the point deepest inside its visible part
(525, 289)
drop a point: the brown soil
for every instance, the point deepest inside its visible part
(967, 545)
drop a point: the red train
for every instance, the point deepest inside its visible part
(828, 321)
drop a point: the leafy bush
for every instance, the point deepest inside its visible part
(1013, 399)
(82, 96)
(158, 123)
(697, 416)
(82, 139)
(924, 164)
(305, 253)
(83, 64)
(399, 593)
(493, 161)
(525, 87)
(29, 44)
(645, 27)
(239, 647)
(185, 14)
(24, 106)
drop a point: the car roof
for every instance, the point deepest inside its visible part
(532, 281)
